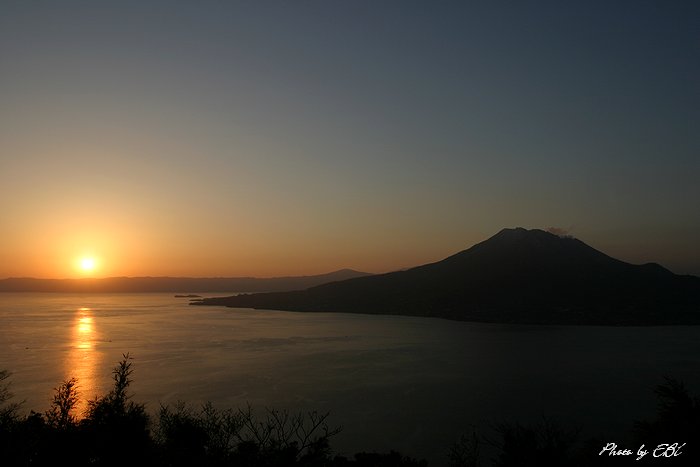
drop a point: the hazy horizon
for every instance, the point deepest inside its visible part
(175, 277)
(273, 139)
(552, 230)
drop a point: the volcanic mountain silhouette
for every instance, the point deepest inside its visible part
(516, 276)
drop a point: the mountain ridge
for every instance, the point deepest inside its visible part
(173, 284)
(518, 276)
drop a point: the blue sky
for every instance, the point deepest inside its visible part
(267, 138)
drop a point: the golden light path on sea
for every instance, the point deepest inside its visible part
(83, 359)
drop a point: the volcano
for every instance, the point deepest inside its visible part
(516, 276)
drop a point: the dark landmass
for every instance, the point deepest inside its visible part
(190, 295)
(174, 284)
(516, 276)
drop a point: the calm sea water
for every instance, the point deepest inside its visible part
(410, 384)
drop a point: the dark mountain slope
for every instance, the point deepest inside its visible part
(518, 275)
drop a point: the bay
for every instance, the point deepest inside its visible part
(392, 382)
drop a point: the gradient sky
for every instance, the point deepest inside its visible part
(276, 138)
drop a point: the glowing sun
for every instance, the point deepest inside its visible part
(87, 264)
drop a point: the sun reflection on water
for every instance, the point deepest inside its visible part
(83, 359)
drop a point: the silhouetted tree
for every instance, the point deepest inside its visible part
(293, 437)
(677, 421)
(8, 419)
(60, 414)
(117, 429)
(187, 437)
(224, 437)
(466, 451)
(8, 410)
(544, 444)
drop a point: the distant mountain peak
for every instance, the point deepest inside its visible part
(518, 276)
(520, 233)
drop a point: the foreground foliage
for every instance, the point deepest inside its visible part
(114, 430)
(549, 444)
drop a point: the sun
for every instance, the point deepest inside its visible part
(87, 264)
